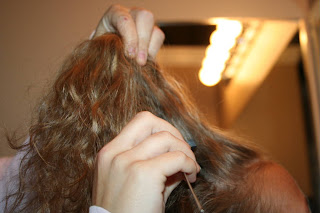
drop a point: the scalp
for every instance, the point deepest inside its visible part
(279, 191)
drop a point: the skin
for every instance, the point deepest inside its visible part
(137, 171)
(281, 190)
(142, 39)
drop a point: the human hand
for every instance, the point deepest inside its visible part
(138, 169)
(136, 26)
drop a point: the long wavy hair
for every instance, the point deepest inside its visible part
(97, 91)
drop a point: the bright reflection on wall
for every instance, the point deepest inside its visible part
(222, 40)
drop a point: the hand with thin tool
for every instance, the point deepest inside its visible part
(132, 170)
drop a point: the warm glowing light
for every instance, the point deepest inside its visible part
(303, 37)
(216, 55)
(229, 72)
(213, 66)
(236, 60)
(212, 21)
(229, 28)
(222, 40)
(218, 37)
(250, 33)
(241, 48)
(209, 78)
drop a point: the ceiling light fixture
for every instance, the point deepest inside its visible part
(224, 54)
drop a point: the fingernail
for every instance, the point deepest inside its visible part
(142, 56)
(199, 168)
(131, 52)
(192, 178)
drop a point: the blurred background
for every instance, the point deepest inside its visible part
(252, 67)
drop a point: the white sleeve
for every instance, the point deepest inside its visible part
(92, 34)
(97, 209)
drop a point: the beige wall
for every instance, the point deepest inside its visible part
(35, 37)
(274, 120)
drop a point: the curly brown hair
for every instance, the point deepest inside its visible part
(96, 93)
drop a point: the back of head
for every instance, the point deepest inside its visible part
(96, 93)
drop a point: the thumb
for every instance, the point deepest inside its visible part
(171, 183)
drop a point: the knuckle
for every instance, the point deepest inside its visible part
(145, 115)
(133, 42)
(146, 14)
(181, 156)
(136, 167)
(121, 20)
(100, 157)
(119, 162)
(164, 135)
(115, 7)
(159, 33)
(186, 145)
(102, 154)
(137, 170)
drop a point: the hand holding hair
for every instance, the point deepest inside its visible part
(137, 171)
(136, 26)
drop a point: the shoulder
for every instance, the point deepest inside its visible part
(9, 171)
(4, 163)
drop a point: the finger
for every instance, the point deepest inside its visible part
(156, 145)
(144, 24)
(168, 164)
(157, 39)
(160, 170)
(171, 184)
(143, 125)
(139, 128)
(118, 19)
(105, 24)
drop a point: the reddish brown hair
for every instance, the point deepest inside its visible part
(96, 93)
